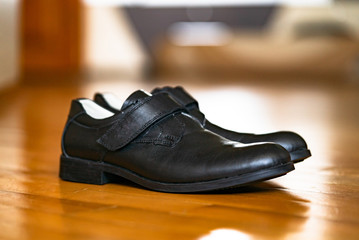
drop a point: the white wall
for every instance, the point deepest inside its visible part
(9, 42)
(110, 46)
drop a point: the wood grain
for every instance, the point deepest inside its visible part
(319, 200)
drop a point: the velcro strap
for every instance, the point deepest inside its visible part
(183, 97)
(141, 116)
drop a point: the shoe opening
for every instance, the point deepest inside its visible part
(113, 101)
(94, 110)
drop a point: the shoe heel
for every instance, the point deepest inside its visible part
(83, 171)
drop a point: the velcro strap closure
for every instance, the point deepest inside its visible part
(141, 116)
(183, 97)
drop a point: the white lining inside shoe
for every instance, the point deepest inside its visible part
(94, 110)
(113, 101)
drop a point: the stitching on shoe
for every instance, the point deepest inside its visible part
(105, 136)
(168, 140)
(117, 124)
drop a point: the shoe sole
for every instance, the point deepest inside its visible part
(300, 155)
(87, 171)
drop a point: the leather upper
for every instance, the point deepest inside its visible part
(289, 140)
(156, 138)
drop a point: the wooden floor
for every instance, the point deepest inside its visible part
(319, 200)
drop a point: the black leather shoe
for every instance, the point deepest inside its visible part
(292, 142)
(153, 142)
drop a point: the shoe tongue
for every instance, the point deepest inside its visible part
(134, 97)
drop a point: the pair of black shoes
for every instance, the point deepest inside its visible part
(163, 142)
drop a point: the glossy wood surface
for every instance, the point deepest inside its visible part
(319, 200)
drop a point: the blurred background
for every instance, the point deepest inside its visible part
(254, 66)
(80, 40)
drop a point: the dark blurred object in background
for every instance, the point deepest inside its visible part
(111, 39)
(256, 41)
(152, 24)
